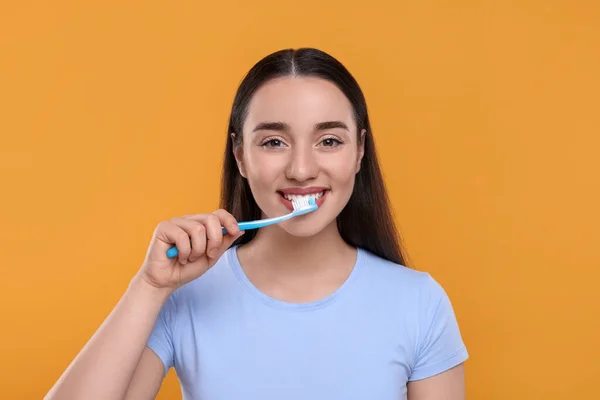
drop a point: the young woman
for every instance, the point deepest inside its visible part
(321, 306)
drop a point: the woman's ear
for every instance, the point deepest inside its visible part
(361, 149)
(238, 152)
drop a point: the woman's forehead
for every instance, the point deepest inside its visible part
(300, 102)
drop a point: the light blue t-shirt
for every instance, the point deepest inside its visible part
(385, 326)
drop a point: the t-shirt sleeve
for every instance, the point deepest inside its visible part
(440, 345)
(161, 338)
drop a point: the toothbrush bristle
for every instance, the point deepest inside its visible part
(303, 202)
(297, 203)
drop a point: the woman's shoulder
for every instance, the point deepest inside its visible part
(399, 277)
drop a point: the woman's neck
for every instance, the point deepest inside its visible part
(297, 268)
(286, 253)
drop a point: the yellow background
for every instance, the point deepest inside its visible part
(486, 115)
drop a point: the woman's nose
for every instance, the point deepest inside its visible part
(302, 165)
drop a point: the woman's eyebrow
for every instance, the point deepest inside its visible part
(322, 126)
(283, 127)
(272, 126)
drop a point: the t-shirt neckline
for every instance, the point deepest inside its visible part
(234, 262)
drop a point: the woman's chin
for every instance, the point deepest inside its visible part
(303, 232)
(303, 229)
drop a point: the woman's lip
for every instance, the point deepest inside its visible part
(290, 207)
(304, 191)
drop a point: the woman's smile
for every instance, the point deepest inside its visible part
(288, 195)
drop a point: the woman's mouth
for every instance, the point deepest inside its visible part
(287, 199)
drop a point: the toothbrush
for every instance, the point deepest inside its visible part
(301, 206)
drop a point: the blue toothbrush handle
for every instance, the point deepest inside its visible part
(172, 252)
(244, 226)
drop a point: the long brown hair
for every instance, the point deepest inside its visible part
(366, 221)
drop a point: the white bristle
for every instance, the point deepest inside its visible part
(300, 203)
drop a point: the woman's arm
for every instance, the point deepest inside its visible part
(106, 365)
(116, 361)
(449, 385)
(147, 378)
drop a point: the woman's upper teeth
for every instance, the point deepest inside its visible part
(299, 196)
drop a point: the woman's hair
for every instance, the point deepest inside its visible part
(366, 221)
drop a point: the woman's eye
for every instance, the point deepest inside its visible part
(272, 143)
(331, 142)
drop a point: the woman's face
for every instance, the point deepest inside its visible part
(299, 139)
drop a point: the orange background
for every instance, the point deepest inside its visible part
(487, 119)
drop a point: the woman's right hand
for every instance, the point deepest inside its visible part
(200, 243)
